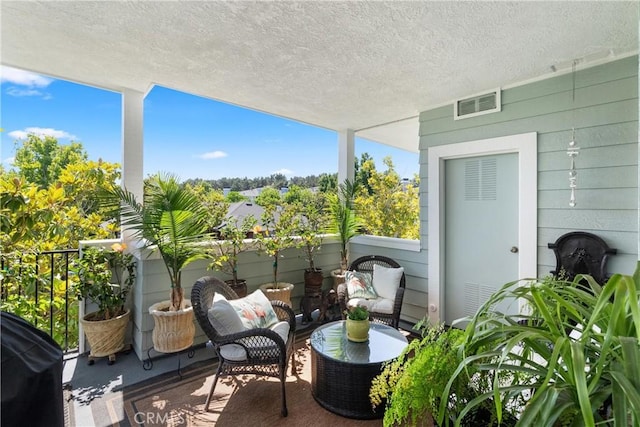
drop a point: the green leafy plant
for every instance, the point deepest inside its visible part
(572, 360)
(225, 252)
(171, 220)
(343, 219)
(411, 386)
(357, 313)
(281, 221)
(105, 276)
(312, 223)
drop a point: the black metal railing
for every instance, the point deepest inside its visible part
(36, 287)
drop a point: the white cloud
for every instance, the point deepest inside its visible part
(23, 78)
(284, 171)
(58, 134)
(9, 160)
(212, 155)
(26, 83)
(15, 91)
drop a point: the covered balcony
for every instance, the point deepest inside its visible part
(491, 95)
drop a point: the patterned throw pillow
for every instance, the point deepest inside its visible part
(255, 310)
(223, 316)
(359, 285)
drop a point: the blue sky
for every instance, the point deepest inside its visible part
(187, 135)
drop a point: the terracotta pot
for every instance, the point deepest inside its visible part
(280, 293)
(357, 330)
(313, 280)
(174, 330)
(239, 287)
(106, 337)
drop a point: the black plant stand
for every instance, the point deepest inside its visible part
(147, 364)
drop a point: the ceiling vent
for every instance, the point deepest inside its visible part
(477, 105)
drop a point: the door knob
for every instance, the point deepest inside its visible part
(514, 249)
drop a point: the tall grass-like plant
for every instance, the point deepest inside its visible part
(344, 220)
(574, 357)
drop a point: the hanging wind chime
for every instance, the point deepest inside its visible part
(573, 150)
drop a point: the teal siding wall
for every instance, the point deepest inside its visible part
(605, 115)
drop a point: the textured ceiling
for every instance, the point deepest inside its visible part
(337, 65)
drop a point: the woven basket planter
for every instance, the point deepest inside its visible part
(173, 330)
(281, 293)
(338, 278)
(106, 337)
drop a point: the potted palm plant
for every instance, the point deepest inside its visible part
(225, 252)
(171, 221)
(280, 221)
(344, 222)
(105, 277)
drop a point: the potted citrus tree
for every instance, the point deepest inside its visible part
(280, 221)
(171, 221)
(344, 222)
(105, 277)
(312, 223)
(225, 252)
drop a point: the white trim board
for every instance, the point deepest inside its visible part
(525, 145)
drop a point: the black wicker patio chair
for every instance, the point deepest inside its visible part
(265, 352)
(365, 264)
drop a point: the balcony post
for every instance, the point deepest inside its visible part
(346, 156)
(132, 144)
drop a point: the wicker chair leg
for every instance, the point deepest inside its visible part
(213, 387)
(293, 363)
(283, 379)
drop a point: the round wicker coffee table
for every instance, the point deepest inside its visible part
(341, 370)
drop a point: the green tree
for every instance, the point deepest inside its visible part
(34, 219)
(41, 160)
(328, 183)
(391, 209)
(213, 201)
(269, 197)
(234, 197)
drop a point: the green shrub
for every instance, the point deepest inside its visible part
(412, 384)
(573, 360)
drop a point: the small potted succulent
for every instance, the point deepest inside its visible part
(105, 277)
(357, 324)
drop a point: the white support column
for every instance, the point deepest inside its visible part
(132, 143)
(346, 156)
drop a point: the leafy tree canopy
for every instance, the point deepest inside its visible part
(41, 160)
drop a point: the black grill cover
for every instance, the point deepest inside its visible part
(31, 375)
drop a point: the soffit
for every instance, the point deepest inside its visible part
(338, 65)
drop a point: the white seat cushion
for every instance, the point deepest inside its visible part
(237, 353)
(386, 280)
(378, 305)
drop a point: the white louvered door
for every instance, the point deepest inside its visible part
(481, 231)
